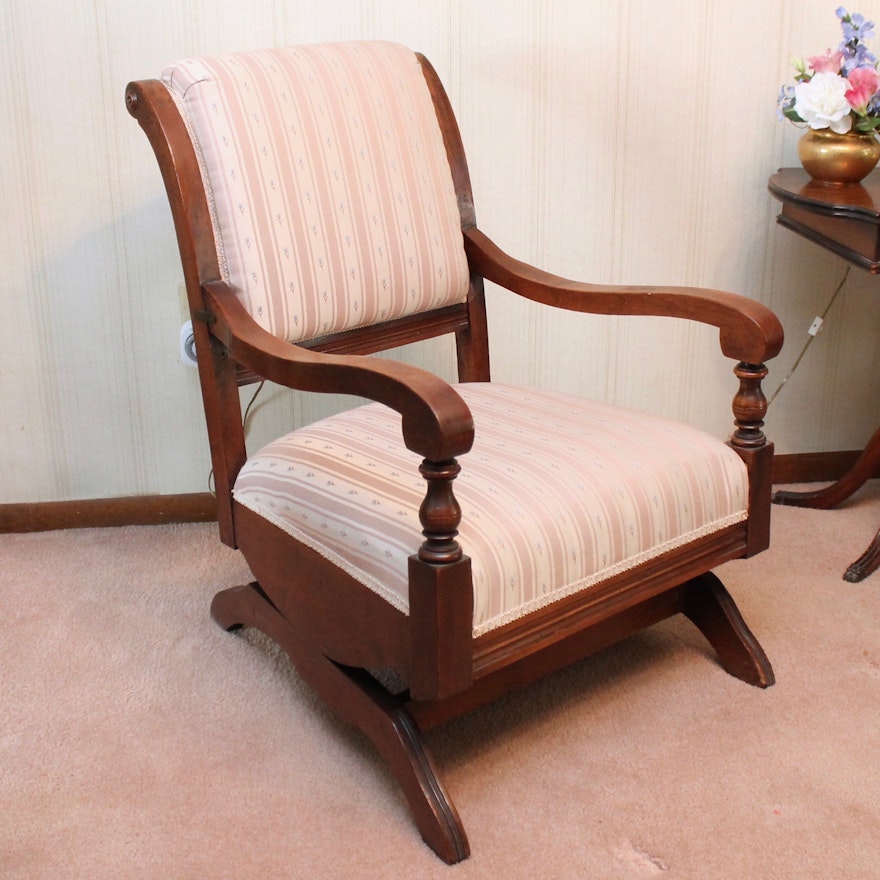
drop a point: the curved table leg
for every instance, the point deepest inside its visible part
(866, 564)
(830, 496)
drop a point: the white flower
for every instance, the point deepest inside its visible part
(822, 103)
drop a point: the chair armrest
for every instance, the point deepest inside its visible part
(750, 332)
(437, 423)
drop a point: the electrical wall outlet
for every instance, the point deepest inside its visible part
(187, 345)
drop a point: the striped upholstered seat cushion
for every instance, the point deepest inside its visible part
(557, 494)
(330, 192)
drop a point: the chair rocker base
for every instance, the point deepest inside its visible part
(709, 606)
(358, 699)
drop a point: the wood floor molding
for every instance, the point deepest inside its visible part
(813, 467)
(808, 467)
(103, 512)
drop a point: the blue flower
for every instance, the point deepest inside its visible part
(855, 27)
(785, 103)
(855, 30)
(856, 56)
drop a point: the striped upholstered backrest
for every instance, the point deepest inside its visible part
(327, 179)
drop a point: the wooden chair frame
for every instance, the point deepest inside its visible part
(332, 627)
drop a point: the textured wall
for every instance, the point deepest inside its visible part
(626, 143)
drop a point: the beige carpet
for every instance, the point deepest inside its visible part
(137, 740)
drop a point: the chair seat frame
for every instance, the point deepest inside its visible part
(332, 627)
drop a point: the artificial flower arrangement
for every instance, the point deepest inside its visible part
(839, 90)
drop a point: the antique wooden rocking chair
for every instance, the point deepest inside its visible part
(323, 212)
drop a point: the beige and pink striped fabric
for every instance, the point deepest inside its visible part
(330, 191)
(557, 494)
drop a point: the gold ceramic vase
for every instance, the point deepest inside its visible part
(838, 158)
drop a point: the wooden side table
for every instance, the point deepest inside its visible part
(844, 219)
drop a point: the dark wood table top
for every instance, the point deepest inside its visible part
(844, 218)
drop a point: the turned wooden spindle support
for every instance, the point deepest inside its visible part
(749, 407)
(440, 513)
(441, 596)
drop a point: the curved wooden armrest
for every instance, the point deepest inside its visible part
(437, 423)
(750, 332)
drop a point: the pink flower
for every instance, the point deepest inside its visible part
(863, 82)
(827, 63)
